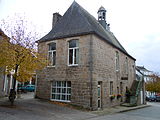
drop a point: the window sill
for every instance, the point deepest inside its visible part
(51, 66)
(73, 65)
(60, 100)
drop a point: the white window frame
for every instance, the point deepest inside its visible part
(61, 93)
(73, 57)
(51, 51)
(117, 65)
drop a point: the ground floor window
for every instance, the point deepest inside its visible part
(61, 91)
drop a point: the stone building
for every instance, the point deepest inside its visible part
(5, 79)
(87, 66)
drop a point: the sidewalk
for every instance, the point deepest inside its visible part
(105, 111)
(117, 109)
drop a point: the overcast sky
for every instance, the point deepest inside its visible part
(135, 23)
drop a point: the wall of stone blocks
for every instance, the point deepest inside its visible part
(78, 75)
(104, 71)
(103, 58)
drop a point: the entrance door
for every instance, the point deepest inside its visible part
(99, 95)
(121, 90)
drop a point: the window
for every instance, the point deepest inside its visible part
(117, 61)
(126, 66)
(52, 54)
(73, 53)
(61, 91)
(117, 90)
(121, 87)
(111, 87)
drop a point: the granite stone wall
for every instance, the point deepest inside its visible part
(104, 71)
(96, 64)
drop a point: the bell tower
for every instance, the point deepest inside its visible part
(102, 17)
(101, 14)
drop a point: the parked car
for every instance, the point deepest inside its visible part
(157, 98)
(30, 88)
(151, 98)
(27, 88)
(154, 98)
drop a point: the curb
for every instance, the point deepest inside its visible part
(133, 108)
(118, 110)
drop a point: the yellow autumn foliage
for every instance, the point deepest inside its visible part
(27, 60)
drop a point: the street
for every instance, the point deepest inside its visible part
(34, 109)
(148, 113)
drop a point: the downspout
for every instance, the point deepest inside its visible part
(91, 70)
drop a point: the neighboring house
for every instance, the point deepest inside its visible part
(140, 91)
(2, 70)
(1, 82)
(147, 77)
(87, 65)
(147, 73)
(6, 80)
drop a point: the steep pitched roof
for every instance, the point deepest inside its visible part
(77, 21)
(142, 68)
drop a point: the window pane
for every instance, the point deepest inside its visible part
(58, 83)
(63, 83)
(58, 97)
(111, 88)
(54, 58)
(54, 84)
(76, 55)
(58, 90)
(53, 96)
(54, 90)
(52, 46)
(68, 97)
(73, 43)
(63, 97)
(49, 58)
(69, 84)
(99, 94)
(69, 91)
(71, 56)
(63, 90)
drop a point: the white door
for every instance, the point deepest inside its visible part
(99, 95)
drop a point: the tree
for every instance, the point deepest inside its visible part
(154, 85)
(19, 53)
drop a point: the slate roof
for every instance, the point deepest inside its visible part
(77, 21)
(142, 68)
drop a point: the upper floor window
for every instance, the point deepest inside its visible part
(117, 61)
(51, 54)
(126, 65)
(73, 52)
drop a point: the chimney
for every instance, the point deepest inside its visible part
(56, 18)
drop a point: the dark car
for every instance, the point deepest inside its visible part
(157, 98)
(151, 98)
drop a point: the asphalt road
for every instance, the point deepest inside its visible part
(30, 109)
(148, 113)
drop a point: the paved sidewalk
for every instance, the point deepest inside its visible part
(45, 109)
(118, 109)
